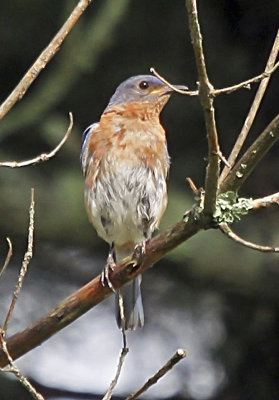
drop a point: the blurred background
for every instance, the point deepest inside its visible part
(210, 296)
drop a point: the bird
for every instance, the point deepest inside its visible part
(125, 163)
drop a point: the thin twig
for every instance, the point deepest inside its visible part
(246, 84)
(27, 257)
(228, 232)
(206, 99)
(122, 356)
(254, 108)
(251, 158)
(227, 90)
(42, 157)
(266, 201)
(25, 263)
(8, 257)
(44, 58)
(222, 158)
(15, 370)
(174, 88)
(122, 317)
(124, 350)
(178, 356)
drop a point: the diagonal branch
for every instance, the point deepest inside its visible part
(178, 356)
(244, 167)
(43, 59)
(254, 108)
(206, 100)
(94, 292)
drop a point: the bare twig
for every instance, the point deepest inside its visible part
(14, 370)
(174, 88)
(43, 59)
(192, 185)
(227, 90)
(27, 257)
(254, 108)
(244, 167)
(42, 157)
(246, 84)
(222, 158)
(266, 201)
(122, 318)
(178, 356)
(8, 257)
(124, 350)
(206, 99)
(232, 235)
(122, 356)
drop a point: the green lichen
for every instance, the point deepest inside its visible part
(231, 208)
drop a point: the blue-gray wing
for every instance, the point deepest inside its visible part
(84, 158)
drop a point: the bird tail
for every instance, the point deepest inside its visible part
(132, 302)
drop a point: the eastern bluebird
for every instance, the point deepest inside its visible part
(125, 162)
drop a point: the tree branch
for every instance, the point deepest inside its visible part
(8, 256)
(94, 292)
(92, 38)
(232, 235)
(42, 157)
(12, 368)
(244, 167)
(25, 263)
(266, 201)
(178, 356)
(15, 370)
(206, 100)
(254, 108)
(43, 59)
(227, 90)
(246, 84)
(122, 356)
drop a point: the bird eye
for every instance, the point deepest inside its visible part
(144, 85)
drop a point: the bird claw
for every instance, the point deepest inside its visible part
(105, 279)
(138, 253)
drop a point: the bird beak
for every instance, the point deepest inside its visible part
(176, 88)
(181, 87)
(169, 89)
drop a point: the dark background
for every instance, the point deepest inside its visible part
(114, 40)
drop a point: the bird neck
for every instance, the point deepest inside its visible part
(139, 110)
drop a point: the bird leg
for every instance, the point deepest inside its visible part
(110, 264)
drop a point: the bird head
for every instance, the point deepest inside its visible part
(146, 89)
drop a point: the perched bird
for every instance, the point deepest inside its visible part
(125, 162)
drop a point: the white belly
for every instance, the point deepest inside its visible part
(127, 206)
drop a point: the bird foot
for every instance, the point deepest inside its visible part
(105, 279)
(138, 253)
